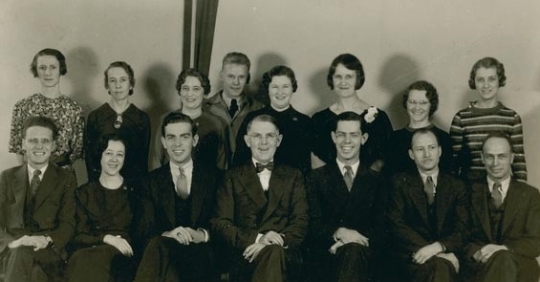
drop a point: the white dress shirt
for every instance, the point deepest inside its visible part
(505, 185)
(354, 167)
(31, 172)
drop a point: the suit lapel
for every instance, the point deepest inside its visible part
(198, 191)
(47, 185)
(20, 185)
(165, 191)
(443, 197)
(278, 180)
(479, 204)
(251, 183)
(418, 197)
(512, 205)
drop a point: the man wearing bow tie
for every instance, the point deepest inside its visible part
(505, 237)
(182, 192)
(428, 215)
(262, 210)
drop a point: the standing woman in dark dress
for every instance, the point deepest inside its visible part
(119, 116)
(421, 100)
(345, 77)
(297, 129)
(108, 216)
(49, 65)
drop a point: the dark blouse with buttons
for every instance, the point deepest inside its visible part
(101, 211)
(135, 129)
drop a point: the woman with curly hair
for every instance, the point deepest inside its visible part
(345, 77)
(472, 125)
(49, 65)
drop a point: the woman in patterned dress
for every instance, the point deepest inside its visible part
(345, 77)
(121, 117)
(48, 66)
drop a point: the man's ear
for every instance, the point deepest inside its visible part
(279, 138)
(411, 154)
(246, 139)
(365, 137)
(333, 134)
(195, 140)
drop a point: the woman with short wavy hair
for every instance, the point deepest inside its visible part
(119, 116)
(345, 77)
(472, 125)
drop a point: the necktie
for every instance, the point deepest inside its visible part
(429, 189)
(34, 184)
(496, 194)
(181, 185)
(348, 177)
(260, 167)
(233, 108)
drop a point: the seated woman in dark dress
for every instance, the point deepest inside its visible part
(421, 100)
(119, 116)
(109, 221)
(297, 129)
(345, 77)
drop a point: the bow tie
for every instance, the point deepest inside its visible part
(261, 167)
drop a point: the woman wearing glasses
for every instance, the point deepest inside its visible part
(421, 100)
(121, 117)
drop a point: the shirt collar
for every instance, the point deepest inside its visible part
(31, 171)
(353, 166)
(186, 167)
(227, 100)
(434, 176)
(505, 185)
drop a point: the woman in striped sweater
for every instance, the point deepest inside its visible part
(471, 125)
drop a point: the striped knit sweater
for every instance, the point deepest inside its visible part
(471, 126)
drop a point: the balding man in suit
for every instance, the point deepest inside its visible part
(505, 237)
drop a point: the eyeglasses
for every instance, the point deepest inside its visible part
(260, 137)
(118, 122)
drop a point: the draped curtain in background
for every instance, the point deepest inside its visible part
(205, 24)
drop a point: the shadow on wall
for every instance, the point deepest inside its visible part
(158, 84)
(531, 123)
(398, 72)
(82, 70)
(320, 91)
(264, 64)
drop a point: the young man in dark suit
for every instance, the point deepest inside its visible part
(345, 203)
(262, 210)
(505, 237)
(428, 215)
(182, 193)
(37, 208)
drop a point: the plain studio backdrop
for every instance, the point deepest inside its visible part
(397, 41)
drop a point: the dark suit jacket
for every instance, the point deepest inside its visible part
(160, 187)
(331, 205)
(243, 211)
(521, 223)
(408, 213)
(54, 209)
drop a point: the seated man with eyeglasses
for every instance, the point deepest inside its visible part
(261, 210)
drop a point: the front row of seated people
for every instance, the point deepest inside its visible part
(347, 223)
